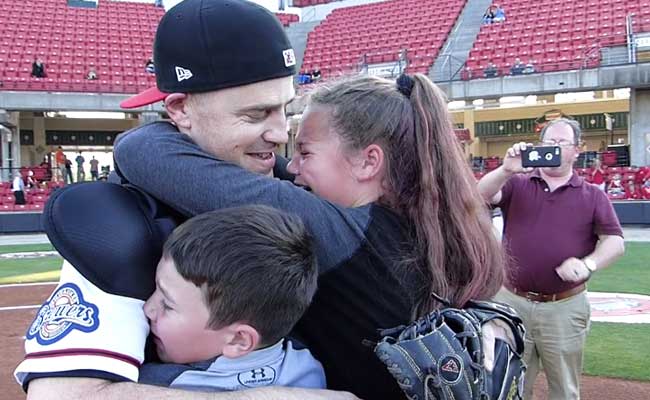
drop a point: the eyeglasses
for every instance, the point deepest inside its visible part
(561, 143)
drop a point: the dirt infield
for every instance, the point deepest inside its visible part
(13, 324)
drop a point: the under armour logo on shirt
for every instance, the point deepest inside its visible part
(289, 57)
(182, 74)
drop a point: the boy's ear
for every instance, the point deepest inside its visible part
(243, 339)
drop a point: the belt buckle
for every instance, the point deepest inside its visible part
(533, 296)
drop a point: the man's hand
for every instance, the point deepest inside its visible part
(512, 159)
(573, 270)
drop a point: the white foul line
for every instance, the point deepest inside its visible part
(27, 284)
(19, 307)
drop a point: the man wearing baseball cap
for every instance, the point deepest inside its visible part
(224, 71)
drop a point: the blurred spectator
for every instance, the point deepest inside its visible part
(81, 174)
(18, 187)
(517, 68)
(645, 189)
(31, 181)
(92, 74)
(158, 3)
(598, 174)
(530, 67)
(615, 187)
(94, 169)
(304, 79)
(490, 71)
(68, 171)
(632, 192)
(38, 68)
(149, 67)
(315, 75)
(488, 17)
(59, 157)
(499, 14)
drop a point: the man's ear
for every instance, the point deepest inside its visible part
(243, 339)
(370, 163)
(176, 106)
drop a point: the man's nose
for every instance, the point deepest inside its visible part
(277, 131)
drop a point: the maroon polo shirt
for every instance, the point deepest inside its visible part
(544, 228)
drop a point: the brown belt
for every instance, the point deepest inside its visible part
(543, 298)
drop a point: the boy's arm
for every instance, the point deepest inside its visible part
(98, 389)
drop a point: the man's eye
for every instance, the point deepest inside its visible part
(165, 306)
(258, 115)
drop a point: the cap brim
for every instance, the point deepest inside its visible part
(149, 96)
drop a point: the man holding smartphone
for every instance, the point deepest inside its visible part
(558, 231)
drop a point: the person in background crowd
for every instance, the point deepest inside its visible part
(31, 181)
(38, 68)
(68, 171)
(517, 68)
(59, 157)
(149, 66)
(92, 74)
(81, 174)
(94, 169)
(530, 67)
(18, 188)
(632, 192)
(490, 71)
(598, 174)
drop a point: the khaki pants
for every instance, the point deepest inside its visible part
(555, 337)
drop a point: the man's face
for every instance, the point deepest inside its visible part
(561, 135)
(179, 318)
(244, 124)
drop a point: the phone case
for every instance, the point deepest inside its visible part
(543, 156)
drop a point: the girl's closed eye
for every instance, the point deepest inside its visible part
(165, 306)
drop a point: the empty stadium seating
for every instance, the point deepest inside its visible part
(115, 39)
(554, 35)
(379, 31)
(287, 19)
(307, 3)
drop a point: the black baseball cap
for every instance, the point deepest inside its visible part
(205, 45)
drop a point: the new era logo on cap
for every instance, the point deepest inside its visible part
(289, 58)
(182, 74)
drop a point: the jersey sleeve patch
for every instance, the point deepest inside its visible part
(65, 311)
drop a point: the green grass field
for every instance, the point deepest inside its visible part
(613, 350)
(630, 274)
(25, 247)
(618, 351)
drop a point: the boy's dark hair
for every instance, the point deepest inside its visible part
(254, 264)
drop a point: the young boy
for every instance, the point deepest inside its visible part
(229, 286)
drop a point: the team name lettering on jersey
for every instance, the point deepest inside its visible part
(65, 311)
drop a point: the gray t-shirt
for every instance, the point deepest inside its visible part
(277, 365)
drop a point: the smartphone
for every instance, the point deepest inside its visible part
(543, 156)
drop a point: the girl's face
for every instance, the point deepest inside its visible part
(321, 161)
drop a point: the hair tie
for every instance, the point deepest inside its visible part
(405, 85)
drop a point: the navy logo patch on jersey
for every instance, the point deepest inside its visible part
(257, 377)
(450, 369)
(64, 311)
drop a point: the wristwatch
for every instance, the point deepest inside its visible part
(590, 264)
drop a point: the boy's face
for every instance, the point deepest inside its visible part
(179, 318)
